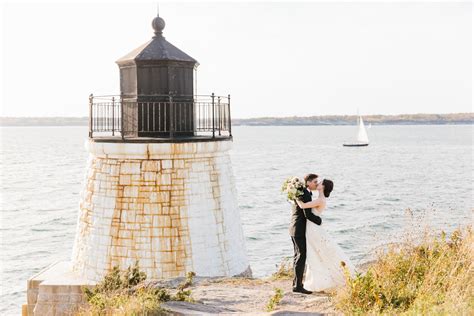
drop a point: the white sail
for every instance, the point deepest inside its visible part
(362, 133)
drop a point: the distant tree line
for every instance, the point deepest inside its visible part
(454, 118)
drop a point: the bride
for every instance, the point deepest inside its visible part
(324, 258)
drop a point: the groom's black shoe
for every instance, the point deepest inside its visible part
(301, 290)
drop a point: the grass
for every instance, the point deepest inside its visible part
(274, 300)
(284, 270)
(126, 293)
(431, 275)
(239, 281)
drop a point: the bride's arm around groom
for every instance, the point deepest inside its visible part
(311, 204)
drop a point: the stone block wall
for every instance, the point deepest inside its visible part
(171, 206)
(55, 290)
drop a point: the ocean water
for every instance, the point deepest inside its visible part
(425, 169)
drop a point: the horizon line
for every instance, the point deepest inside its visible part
(264, 117)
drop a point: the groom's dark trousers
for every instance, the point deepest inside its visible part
(298, 236)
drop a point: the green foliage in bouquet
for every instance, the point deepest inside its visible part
(293, 188)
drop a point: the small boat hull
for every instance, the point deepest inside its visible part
(355, 145)
(362, 140)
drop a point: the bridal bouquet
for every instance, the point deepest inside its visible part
(293, 188)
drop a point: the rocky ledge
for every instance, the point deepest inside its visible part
(245, 296)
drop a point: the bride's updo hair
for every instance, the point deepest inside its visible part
(328, 185)
(309, 177)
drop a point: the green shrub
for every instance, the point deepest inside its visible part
(182, 294)
(124, 294)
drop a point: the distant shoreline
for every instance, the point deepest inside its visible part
(325, 120)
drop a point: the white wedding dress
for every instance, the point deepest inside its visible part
(323, 259)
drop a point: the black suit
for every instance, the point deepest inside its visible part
(298, 236)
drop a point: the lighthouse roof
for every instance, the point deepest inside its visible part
(157, 49)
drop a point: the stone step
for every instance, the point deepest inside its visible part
(55, 290)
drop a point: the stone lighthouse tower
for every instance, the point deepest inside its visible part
(159, 187)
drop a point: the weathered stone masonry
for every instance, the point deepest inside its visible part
(171, 206)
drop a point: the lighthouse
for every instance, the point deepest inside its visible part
(158, 186)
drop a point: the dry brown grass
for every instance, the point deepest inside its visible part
(429, 275)
(284, 270)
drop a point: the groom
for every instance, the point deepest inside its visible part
(298, 232)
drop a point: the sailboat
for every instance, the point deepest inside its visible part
(362, 138)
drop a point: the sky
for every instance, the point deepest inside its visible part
(275, 59)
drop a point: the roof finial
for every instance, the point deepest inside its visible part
(158, 23)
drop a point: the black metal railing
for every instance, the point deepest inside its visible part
(159, 116)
